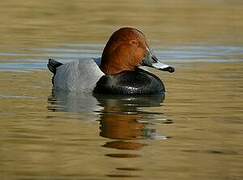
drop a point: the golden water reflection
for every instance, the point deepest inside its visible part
(28, 23)
(204, 109)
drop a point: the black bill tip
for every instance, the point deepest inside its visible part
(169, 69)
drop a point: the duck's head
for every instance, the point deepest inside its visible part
(127, 49)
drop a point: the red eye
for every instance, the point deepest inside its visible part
(134, 42)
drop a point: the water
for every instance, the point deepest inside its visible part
(193, 132)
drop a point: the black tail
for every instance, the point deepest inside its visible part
(52, 65)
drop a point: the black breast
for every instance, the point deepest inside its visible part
(130, 82)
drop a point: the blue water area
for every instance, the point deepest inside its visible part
(36, 58)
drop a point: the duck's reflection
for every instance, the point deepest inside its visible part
(122, 119)
(72, 102)
(122, 127)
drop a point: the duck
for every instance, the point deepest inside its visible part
(120, 69)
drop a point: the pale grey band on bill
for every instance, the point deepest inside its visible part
(159, 65)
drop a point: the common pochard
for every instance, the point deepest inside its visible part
(117, 71)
